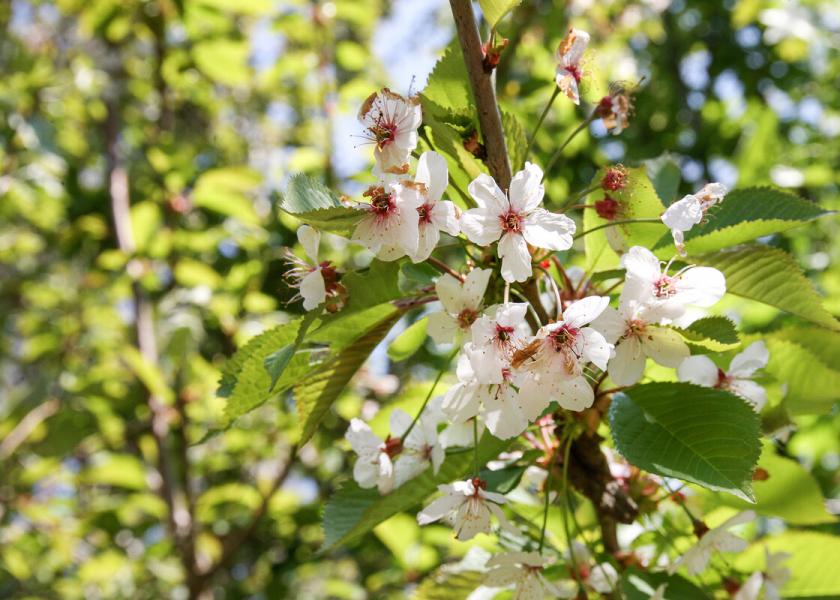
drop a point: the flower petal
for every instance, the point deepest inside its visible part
(628, 364)
(548, 230)
(481, 226)
(487, 194)
(699, 370)
(309, 238)
(439, 508)
(433, 173)
(516, 260)
(442, 327)
(665, 346)
(753, 358)
(313, 290)
(526, 189)
(585, 310)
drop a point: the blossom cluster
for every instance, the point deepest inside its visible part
(512, 368)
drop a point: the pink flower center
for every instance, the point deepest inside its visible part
(383, 204)
(504, 334)
(392, 446)
(425, 212)
(511, 222)
(563, 337)
(635, 328)
(466, 318)
(608, 208)
(574, 71)
(478, 484)
(723, 380)
(383, 131)
(664, 287)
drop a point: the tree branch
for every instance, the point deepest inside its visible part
(484, 92)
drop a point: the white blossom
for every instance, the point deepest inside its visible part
(737, 379)
(552, 363)
(687, 212)
(636, 338)
(498, 404)
(309, 277)
(470, 506)
(667, 296)
(524, 571)
(390, 122)
(390, 227)
(462, 303)
(771, 579)
(515, 220)
(435, 215)
(697, 558)
(569, 69)
(495, 338)
(374, 467)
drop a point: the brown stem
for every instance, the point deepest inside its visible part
(444, 268)
(484, 92)
(590, 474)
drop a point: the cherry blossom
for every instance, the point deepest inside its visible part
(499, 405)
(495, 337)
(615, 109)
(389, 463)
(472, 506)
(515, 220)
(667, 296)
(391, 123)
(697, 558)
(390, 229)
(701, 370)
(552, 362)
(523, 570)
(636, 338)
(314, 280)
(600, 577)
(462, 303)
(687, 212)
(569, 70)
(435, 215)
(771, 579)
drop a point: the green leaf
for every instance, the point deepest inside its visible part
(463, 166)
(775, 497)
(706, 436)
(494, 10)
(245, 380)
(503, 480)
(812, 386)
(275, 363)
(517, 143)
(717, 334)
(447, 90)
(304, 194)
(409, 341)
(340, 221)
(813, 562)
(223, 60)
(747, 214)
(665, 175)
(380, 283)
(771, 276)
(315, 395)
(446, 585)
(640, 585)
(353, 511)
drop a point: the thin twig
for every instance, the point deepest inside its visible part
(554, 95)
(444, 268)
(614, 223)
(556, 156)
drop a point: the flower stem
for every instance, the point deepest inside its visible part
(613, 223)
(556, 156)
(444, 268)
(443, 369)
(554, 95)
(572, 203)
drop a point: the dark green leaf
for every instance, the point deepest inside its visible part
(706, 436)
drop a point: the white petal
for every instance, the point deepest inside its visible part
(472, 520)
(309, 238)
(444, 216)
(751, 588)
(753, 358)
(439, 508)
(363, 441)
(573, 46)
(313, 290)
(548, 230)
(533, 398)
(665, 346)
(603, 578)
(628, 364)
(511, 314)
(502, 576)
(451, 294)
(526, 189)
(442, 328)
(487, 362)
(568, 84)
(750, 391)
(574, 394)
(516, 260)
(500, 516)
(699, 370)
(610, 324)
(503, 415)
(595, 349)
(702, 286)
(460, 402)
(387, 479)
(487, 194)
(641, 264)
(481, 226)
(585, 310)
(475, 286)
(366, 473)
(399, 422)
(433, 173)
(427, 239)
(683, 214)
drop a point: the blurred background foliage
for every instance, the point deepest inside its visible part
(203, 108)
